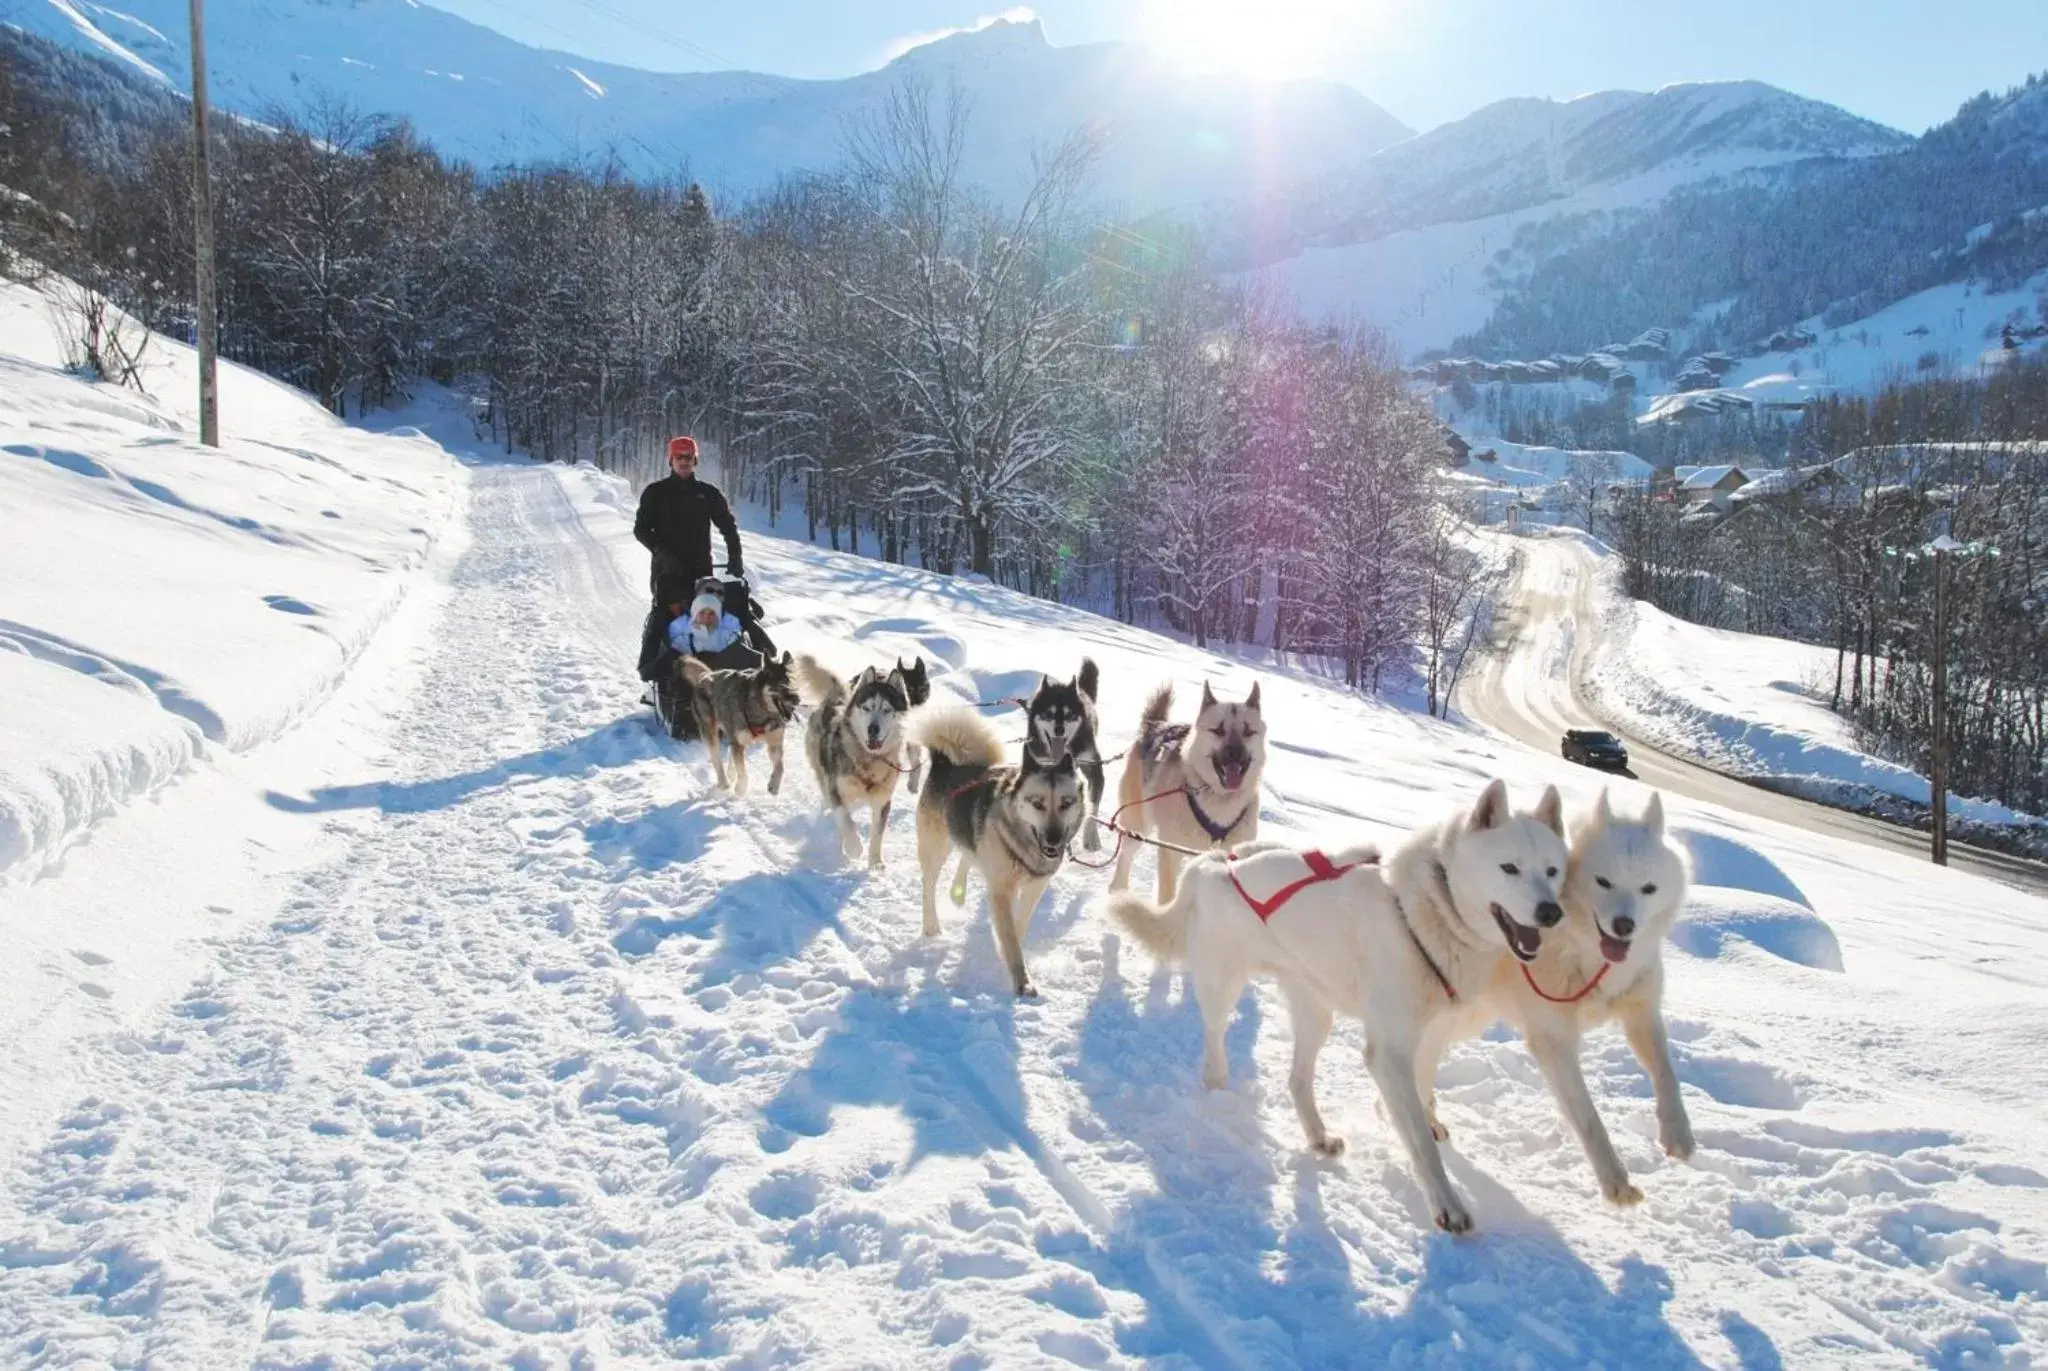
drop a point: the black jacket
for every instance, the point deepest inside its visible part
(675, 522)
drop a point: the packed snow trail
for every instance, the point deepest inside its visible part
(571, 1061)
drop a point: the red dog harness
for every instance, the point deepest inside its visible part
(1320, 869)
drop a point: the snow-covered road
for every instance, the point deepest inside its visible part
(559, 1058)
(1538, 688)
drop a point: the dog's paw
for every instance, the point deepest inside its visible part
(1677, 1139)
(1026, 990)
(851, 847)
(1438, 1131)
(1331, 1146)
(875, 862)
(1453, 1218)
(1215, 1080)
(1623, 1194)
(1090, 839)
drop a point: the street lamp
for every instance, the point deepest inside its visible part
(1941, 549)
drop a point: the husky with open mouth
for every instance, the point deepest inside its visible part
(1623, 891)
(1193, 785)
(1420, 945)
(1059, 719)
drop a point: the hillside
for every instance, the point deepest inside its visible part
(1832, 241)
(1418, 238)
(480, 96)
(469, 1024)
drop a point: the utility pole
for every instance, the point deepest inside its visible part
(1938, 772)
(202, 237)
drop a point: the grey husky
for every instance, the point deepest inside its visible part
(755, 703)
(1012, 823)
(855, 745)
(1060, 719)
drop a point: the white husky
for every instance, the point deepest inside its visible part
(1623, 890)
(1420, 946)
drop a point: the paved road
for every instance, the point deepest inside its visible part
(1535, 690)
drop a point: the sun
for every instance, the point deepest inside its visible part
(1266, 38)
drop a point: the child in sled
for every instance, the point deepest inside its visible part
(709, 629)
(700, 625)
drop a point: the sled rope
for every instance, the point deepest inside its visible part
(1112, 824)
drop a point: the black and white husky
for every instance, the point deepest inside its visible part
(1060, 721)
(855, 745)
(917, 687)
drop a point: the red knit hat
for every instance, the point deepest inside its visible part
(683, 446)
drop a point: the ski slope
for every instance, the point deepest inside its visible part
(466, 1024)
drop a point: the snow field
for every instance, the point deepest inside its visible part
(559, 1057)
(159, 600)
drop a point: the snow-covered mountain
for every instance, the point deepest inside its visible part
(1520, 153)
(479, 95)
(1413, 237)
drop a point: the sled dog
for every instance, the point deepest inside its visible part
(1060, 718)
(855, 745)
(1418, 945)
(917, 688)
(1196, 785)
(1623, 890)
(740, 707)
(1011, 823)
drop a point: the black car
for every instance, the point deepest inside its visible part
(1595, 748)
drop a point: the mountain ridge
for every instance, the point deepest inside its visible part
(1174, 140)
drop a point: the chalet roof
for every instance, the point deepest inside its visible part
(1707, 478)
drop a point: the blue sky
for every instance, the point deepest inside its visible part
(1908, 63)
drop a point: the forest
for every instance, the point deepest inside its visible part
(1021, 390)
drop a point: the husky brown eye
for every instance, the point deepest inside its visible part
(1511, 868)
(1219, 730)
(1650, 889)
(1603, 883)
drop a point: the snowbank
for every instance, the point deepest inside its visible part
(157, 598)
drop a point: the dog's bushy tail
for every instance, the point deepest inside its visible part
(1162, 932)
(1091, 677)
(694, 671)
(959, 736)
(814, 683)
(1158, 705)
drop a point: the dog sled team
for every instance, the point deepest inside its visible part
(1494, 913)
